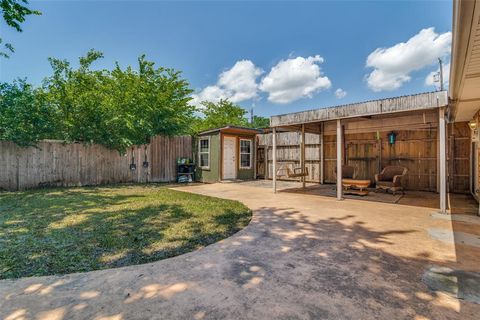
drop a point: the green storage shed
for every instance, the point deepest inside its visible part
(226, 153)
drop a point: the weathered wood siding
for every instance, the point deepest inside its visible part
(54, 163)
(414, 149)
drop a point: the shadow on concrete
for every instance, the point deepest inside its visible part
(283, 265)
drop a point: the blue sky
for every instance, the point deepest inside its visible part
(288, 56)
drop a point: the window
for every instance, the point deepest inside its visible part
(204, 153)
(245, 154)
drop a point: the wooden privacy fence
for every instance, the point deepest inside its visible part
(55, 163)
(414, 149)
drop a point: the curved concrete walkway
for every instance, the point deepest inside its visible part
(301, 257)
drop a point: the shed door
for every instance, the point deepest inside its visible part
(229, 158)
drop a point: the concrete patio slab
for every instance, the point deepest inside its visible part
(301, 257)
(460, 284)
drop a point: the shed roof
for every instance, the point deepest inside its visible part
(421, 101)
(233, 129)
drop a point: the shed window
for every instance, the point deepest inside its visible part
(204, 153)
(245, 154)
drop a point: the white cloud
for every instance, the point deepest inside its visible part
(294, 78)
(289, 80)
(392, 66)
(240, 80)
(429, 80)
(210, 93)
(340, 93)
(236, 84)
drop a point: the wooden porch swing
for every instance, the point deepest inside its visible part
(296, 172)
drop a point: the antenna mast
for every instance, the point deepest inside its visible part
(441, 74)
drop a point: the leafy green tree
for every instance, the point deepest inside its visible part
(259, 122)
(25, 118)
(220, 114)
(117, 108)
(14, 13)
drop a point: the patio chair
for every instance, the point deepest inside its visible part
(391, 179)
(348, 172)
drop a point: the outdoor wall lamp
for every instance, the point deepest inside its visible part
(473, 124)
(392, 136)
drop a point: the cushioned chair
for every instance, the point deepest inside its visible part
(348, 172)
(390, 179)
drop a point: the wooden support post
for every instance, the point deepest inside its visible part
(474, 171)
(274, 159)
(438, 160)
(442, 160)
(344, 146)
(379, 153)
(265, 162)
(254, 150)
(302, 155)
(339, 160)
(322, 179)
(451, 160)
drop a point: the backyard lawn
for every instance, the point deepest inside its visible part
(58, 231)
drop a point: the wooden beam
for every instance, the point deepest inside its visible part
(472, 171)
(274, 158)
(302, 154)
(451, 159)
(418, 102)
(339, 160)
(344, 145)
(379, 154)
(254, 164)
(442, 160)
(437, 186)
(265, 162)
(409, 121)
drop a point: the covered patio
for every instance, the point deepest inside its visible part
(409, 132)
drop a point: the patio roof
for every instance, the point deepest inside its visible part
(233, 129)
(464, 84)
(416, 102)
(375, 113)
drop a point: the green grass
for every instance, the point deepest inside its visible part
(58, 231)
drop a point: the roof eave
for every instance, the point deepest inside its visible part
(423, 101)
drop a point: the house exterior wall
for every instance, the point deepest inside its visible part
(246, 174)
(474, 158)
(213, 173)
